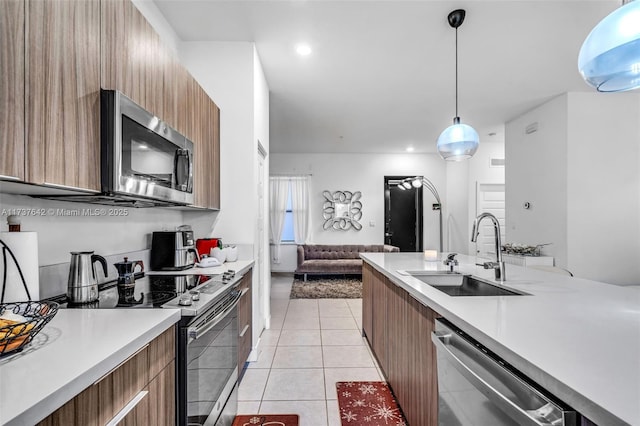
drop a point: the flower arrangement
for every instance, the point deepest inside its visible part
(523, 249)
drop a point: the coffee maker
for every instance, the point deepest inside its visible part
(173, 250)
(127, 282)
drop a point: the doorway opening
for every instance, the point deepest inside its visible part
(402, 215)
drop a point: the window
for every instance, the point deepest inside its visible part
(287, 231)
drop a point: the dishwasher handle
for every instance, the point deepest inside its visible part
(552, 415)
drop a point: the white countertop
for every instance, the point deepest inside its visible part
(578, 339)
(240, 266)
(75, 349)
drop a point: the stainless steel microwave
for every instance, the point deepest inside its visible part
(143, 159)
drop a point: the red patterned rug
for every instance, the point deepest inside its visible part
(368, 403)
(266, 420)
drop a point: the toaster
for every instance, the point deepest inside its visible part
(173, 251)
(204, 245)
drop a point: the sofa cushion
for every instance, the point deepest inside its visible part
(336, 266)
(339, 251)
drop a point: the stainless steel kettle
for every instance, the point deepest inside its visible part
(83, 285)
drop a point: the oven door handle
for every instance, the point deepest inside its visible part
(196, 332)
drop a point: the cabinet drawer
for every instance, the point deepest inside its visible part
(162, 351)
(121, 385)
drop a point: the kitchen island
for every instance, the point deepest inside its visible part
(578, 339)
(71, 353)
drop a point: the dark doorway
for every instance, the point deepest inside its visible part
(402, 215)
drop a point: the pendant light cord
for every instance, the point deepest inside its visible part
(457, 72)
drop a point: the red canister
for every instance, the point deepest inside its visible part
(204, 245)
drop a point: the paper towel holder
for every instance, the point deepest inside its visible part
(5, 249)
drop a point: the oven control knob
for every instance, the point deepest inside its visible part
(195, 295)
(185, 301)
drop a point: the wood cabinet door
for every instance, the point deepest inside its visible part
(63, 93)
(176, 79)
(420, 402)
(380, 339)
(162, 397)
(133, 59)
(120, 386)
(214, 170)
(367, 301)
(398, 340)
(12, 45)
(245, 322)
(203, 124)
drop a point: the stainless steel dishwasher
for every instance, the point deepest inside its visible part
(478, 388)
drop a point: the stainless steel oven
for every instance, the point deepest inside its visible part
(206, 341)
(142, 156)
(207, 382)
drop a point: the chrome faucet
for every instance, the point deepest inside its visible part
(451, 261)
(497, 266)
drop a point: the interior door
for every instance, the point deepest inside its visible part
(402, 215)
(490, 198)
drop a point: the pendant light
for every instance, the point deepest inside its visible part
(459, 141)
(609, 59)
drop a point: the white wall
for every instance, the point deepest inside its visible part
(59, 234)
(581, 173)
(462, 180)
(231, 74)
(364, 173)
(536, 172)
(603, 186)
(225, 72)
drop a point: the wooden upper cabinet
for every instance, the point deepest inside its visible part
(176, 80)
(203, 129)
(215, 166)
(63, 93)
(133, 57)
(12, 30)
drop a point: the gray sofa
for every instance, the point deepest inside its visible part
(335, 259)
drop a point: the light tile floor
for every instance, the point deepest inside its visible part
(311, 345)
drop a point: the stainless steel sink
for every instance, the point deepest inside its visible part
(456, 284)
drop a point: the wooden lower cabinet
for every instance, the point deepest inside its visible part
(245, 325)
(162, 402)
(398, 329)
(102, 401)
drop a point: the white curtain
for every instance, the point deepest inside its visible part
(278, 192)
(300, 208)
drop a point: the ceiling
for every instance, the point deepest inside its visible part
(381, 76)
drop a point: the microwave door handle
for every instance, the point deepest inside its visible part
(176, 161)
(441, 340)
(190, 175)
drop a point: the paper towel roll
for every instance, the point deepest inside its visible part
(24, 246)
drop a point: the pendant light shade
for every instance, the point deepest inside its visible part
(459, 141)
(609, 59)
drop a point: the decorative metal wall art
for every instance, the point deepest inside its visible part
(342, 210)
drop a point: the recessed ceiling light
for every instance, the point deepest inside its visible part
(410, 149)
(303, 49)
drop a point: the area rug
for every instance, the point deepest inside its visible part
(266, 420)
(368, 403)
(327, 288)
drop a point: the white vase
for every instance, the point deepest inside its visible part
(219, 254)
(232, 253)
